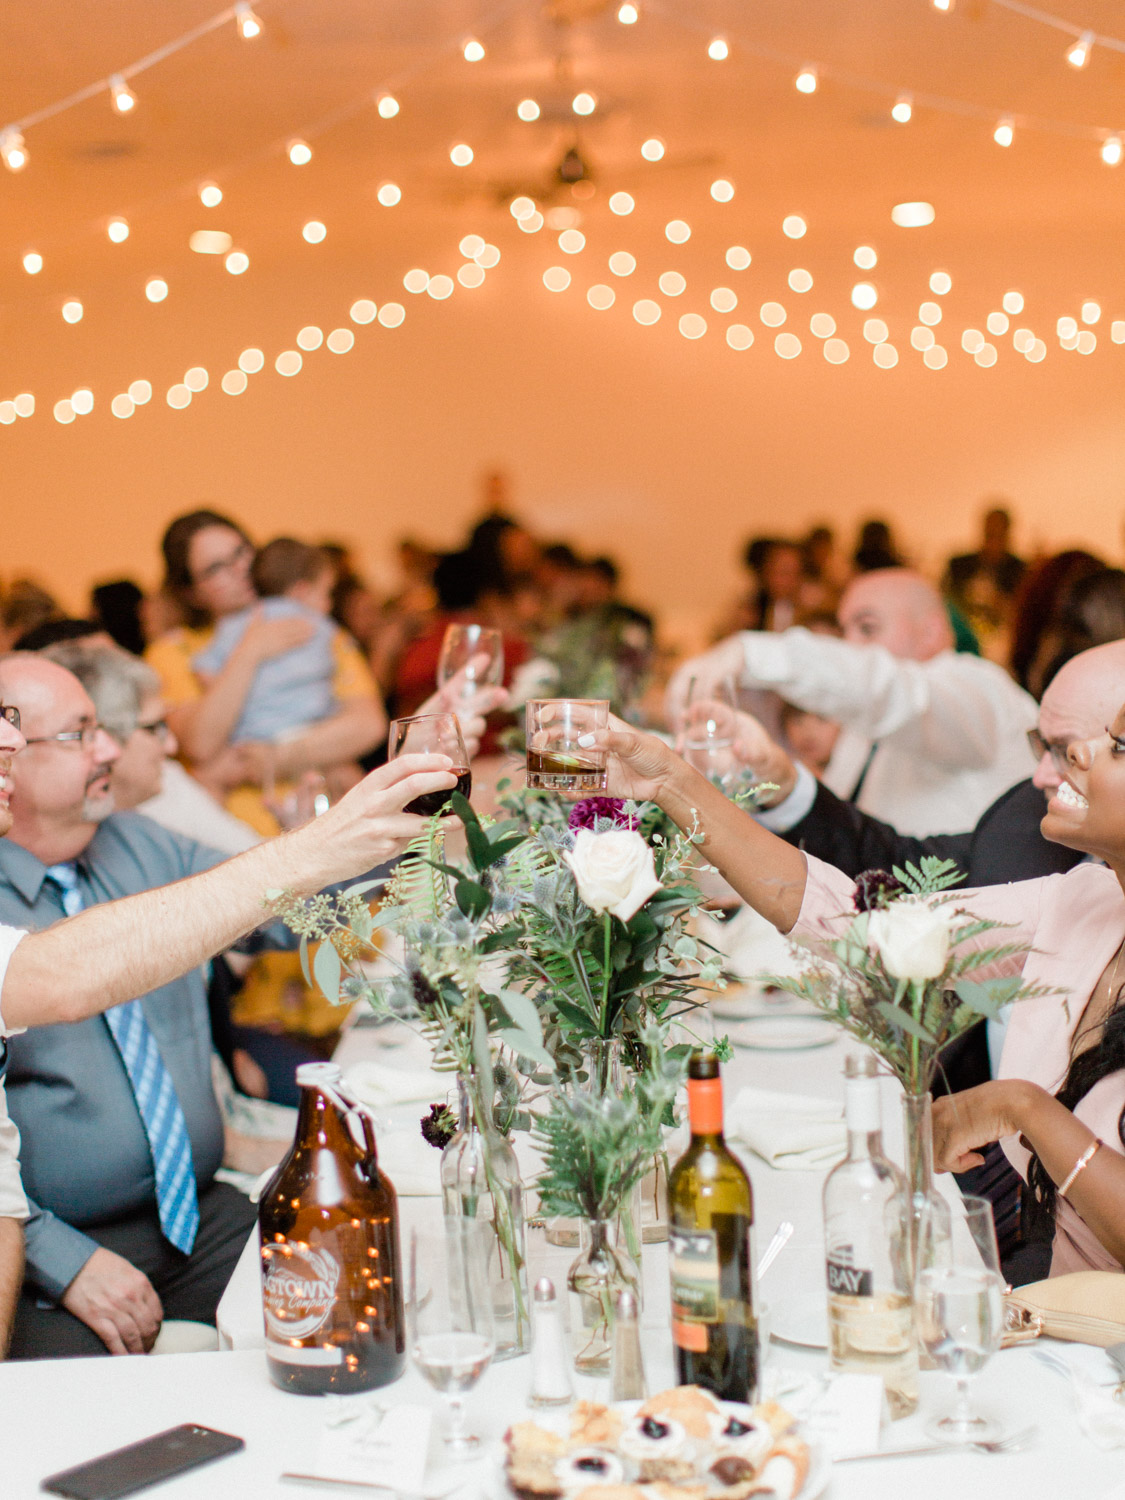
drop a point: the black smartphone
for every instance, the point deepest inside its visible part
(150, 1461)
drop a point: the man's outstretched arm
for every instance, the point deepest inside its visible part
(116, 951)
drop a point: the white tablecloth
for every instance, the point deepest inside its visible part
(60, 1412)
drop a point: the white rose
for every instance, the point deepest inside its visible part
(911, 938)
(614, 871)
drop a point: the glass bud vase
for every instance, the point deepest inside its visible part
(480, 1179)
(602, 1270)
(602, 1066)
(928, 1207)
(653, 1189)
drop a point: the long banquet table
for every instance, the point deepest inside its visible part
(57, 1413)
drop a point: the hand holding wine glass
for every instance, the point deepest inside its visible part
(474, 655)
(432, 734)
(709, 728)
(450, 1317)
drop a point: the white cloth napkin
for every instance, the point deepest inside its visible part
(412, 1164)
(1093, 1379)
(382, 1084)
(790, 1131)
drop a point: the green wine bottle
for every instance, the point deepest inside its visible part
(711, 1250)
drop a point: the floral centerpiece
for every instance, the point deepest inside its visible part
(907, 976)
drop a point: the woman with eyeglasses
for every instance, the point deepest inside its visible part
(1058, 1105)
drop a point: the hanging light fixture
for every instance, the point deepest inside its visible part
(121, 95)
(247, 22)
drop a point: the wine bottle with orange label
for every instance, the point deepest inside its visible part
(711, 1250)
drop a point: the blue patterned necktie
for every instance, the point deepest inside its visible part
(160, 1110)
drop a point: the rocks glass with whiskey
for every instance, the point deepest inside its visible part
(559, 755)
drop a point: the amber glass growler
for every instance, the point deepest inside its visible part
(331, 1264)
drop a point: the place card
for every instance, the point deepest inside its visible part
(847, 1417)
(379, 1448)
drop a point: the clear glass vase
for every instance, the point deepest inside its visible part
(602, 1270)
(480, 1179)
(653, 1190)
(927, 1206)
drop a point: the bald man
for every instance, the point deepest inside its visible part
(930, 736)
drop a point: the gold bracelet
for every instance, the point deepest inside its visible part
(1080, 1166)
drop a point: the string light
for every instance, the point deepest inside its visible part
(583, 104)
(722, 191)
(387, 105)
(314, 232)
(1111, 152)
(121, 95)
(140, 392)
(806, 81)
(72, 311)
(653, 149)
(621, 263)
(388, 194)
(940, 283)
(299, 152)
(210, 194)
(1012, 302)
(118, 230)
(1005, 132)
(678, 231)
(865, 258)
(210, 242)
(1078, 53)
(33, 263)
(912, 215)
(1091, 312)
(718, 49)
(461, 155)
(527, 109)
(738, 258)
(237, 262)
(13, 152)
(864, 296)
(794, 227)
(945, 6)
(628, 15)
(247, 22)
(156, 289)
(622, 203)
(472, 51)
(83, 402)
(903, 109)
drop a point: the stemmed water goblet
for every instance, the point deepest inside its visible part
(477, 653)
(450, 1321)
(959, 1298)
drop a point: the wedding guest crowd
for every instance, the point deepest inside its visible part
(175, 737)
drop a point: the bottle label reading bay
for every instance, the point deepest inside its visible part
(695, 1286)
(846, 1280)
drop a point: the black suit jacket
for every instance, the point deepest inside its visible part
(1005, 845)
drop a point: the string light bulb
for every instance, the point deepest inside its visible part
(1078, 53)
(903, 109)
(584, 104)
(653, 149)
(387, 105)
(13, 152)
(718, 49)
(473, 51)
(628, 15)
(210, 194)
(33, 262)
(299, 152)
(527, 109)
(247, 22)
(121, 95)
(945, 6)
(806, 81)
(1111, 152)
(1005, 132)
(118, 230)
(156, 289)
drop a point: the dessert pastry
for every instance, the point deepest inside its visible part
(695, 1409)
(590, 1468)
(785, 1470)
(660, 1449)
(740, 1433)
(594, 1425)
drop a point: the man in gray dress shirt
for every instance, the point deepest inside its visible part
(101, 1272)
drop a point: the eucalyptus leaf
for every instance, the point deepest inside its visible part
(525, 1046)
(304, 955)
(523, 1013)
(327, 970)
(904, 1021)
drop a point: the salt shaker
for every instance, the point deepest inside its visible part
(550, 1361)
(627, 1370)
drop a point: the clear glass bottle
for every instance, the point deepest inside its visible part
(867, 1239)
(601, 1272)
(480, 1179)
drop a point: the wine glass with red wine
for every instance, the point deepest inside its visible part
(432, 734)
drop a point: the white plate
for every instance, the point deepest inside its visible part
(783, 1033)
(802, 1320)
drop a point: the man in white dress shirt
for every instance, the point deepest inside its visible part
(931, 737)
(112, 952)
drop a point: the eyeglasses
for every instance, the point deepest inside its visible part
(11, 714)
(221, 565)
(158, 727)
(1041, 747)
(84, 737)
